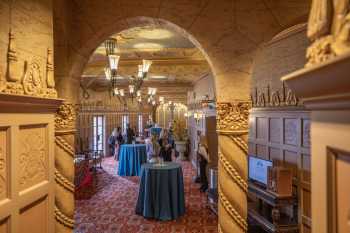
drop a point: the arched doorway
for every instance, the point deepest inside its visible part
(216, 33)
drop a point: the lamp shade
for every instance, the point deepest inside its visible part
(121, 92)
(113, 61)
(140, 71)
(116, 91)
(146, 64)
(131, 89)
(108, 73)
(138, 93)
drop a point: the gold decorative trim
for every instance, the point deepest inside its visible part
(64, 182)
(233, 173)
(240, 143)
(65, 146)
(241, 222)
(65, 116)
(233, 116)
(63, 219)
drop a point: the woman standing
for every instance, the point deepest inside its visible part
(165, 146)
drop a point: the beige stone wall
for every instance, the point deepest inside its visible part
(227, 32)
(204, 86)
(284, 54)
(30, 23)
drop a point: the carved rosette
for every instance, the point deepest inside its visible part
(64, 175)
(329, 30)
(232, 128)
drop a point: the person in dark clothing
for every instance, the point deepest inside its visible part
(165, 146)
(111, 142)
(130, 134)
(118, 142)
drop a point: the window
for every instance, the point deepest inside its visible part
(140, 126)
(98, 132)
(125, 122)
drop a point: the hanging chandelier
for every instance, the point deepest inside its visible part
(111, 71)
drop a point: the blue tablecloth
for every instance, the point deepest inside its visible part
(156, 130)
(161, 193)
(131, 157)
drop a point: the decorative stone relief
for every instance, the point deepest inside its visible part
(233, 116)
(33, 157)
(32, 83)
(50, 79)
(65, 116)
(279, 98)
(329, 29)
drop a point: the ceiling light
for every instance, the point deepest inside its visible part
(113, 61)
(158, 77)
(108, 73)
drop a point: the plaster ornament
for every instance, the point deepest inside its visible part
(65, 116)
(12, 68)
(329, 29)
(233, 116)
(32, 81)
(49, 70)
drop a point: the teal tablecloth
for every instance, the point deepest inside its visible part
(161, 193)
(131, 157)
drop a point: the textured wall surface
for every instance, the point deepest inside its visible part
(282, 55)
(227, 32)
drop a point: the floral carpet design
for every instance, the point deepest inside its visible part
(112, 208)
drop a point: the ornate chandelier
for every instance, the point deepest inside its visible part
(135, 82)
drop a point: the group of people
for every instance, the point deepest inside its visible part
(117, 139)
(160, 148)
(157, 146)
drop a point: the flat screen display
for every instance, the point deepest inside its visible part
(258, 169)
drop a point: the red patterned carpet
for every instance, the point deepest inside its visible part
(112, 208)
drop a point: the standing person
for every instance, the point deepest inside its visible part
(118, 143)
(130, 134)
(165, 146)
(111, 142)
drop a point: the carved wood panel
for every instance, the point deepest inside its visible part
(27, 166)
(288, 141)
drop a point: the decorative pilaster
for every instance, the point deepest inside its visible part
(64, 174)
(232, 128)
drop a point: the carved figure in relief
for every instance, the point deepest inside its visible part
(32, 81)
(32, 158)
(329, 29)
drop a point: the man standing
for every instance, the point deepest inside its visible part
(130, 134)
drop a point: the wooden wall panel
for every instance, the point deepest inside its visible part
(285, 136)
(27, 184)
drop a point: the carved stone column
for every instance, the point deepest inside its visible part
(64, 174)
(232, 128)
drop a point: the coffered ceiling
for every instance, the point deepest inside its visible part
(175, 59)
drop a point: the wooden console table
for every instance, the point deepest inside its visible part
(265, 210)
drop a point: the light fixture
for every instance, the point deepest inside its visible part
(161, 99)
(131, 89)
(113, 61)
(121, 92)
(112, 70)
(108, 73)
(116, 91)
(138, 93)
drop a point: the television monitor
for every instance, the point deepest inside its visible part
(258, 169)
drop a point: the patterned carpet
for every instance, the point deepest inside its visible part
(112, 208)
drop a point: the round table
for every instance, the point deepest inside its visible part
(131, 157)
(161, 192)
